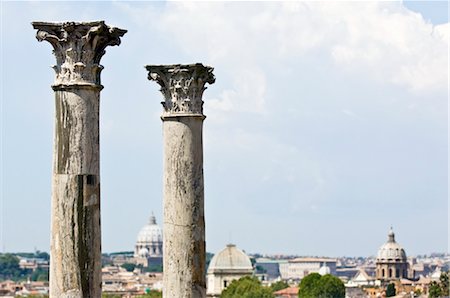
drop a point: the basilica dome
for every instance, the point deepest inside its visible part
(149, 233)
(149, 242)
(230, 258)
(391, 251)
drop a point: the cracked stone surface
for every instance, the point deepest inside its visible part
(75, 250)
(184, 222)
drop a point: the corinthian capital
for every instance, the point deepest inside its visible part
(182, 86)
(78, 48)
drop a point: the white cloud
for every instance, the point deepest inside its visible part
(395, 45)
(382, 40)
(248, 94)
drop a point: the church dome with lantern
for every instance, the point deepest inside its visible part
(149, 242)
(391, 250)
(149, 233)
(227, 265)
(230, 258)
(391, 260)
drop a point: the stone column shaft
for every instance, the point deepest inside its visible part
(184, 222)
(75, 257)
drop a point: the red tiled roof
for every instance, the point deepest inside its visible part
(287, 291)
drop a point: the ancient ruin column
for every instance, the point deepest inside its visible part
(184, 222)
(75, 258)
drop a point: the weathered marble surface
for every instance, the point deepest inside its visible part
(75, 263)
(184, 222)
(78, 48)
(182, 87)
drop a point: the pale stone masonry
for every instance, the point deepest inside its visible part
(75, 264)
(184, 222)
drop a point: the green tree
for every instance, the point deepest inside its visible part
(42, 255)
(39, 275)
(445, 283)
(435, 290)
(129, 253)
(246, 287)
(440, 288)
(105, 295)
(153, 268)
(151, 294)
(9, 267)
(390, 290)
(308, 286)
(279, 285)
(24, 254)
(128, 266)
(331, 286)
(316, 286)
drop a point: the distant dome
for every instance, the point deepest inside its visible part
(324, 270)
(151, 232)
(143, 252)
(391, 251)
(227, 265)
(230, 258)
(436, 274)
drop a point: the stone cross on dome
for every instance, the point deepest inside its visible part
(391, 235)
(153, 219)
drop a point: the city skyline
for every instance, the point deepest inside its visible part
(327, 123)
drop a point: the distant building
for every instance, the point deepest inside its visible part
(149, 245)
(391, 262)
(436, 275)
(347, 272)
(10, 289)
(118, 281)
(355, 292)
(298, 268)
(268, 268)
(361, 278)
(227, 265)
(33, 263)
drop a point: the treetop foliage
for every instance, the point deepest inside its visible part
(279, 285)
(440, 288)
(10, 268)
(315, 285)
(390, 290)
(246, 287)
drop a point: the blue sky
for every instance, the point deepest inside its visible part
(327, 123)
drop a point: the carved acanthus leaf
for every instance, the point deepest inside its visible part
(182, 86)
(78, 48)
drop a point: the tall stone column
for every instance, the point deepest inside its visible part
(184, 222)
(75, 263)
